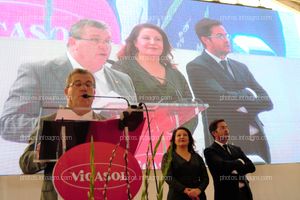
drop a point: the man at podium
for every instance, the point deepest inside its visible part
(80, 82)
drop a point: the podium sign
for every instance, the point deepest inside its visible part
(71, 174)
(79, 132)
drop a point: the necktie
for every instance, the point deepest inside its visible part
(226, 68)
(226, 148)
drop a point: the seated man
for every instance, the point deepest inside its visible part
(80, 82)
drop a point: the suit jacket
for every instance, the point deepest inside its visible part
(222, 164)
(29, 167)
(42, 84)
(225, 95)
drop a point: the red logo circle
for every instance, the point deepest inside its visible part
(71, 174)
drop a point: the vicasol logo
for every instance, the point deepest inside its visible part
(41, 20)
(79, 176)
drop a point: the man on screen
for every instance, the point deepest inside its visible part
(230, 90)
(39, 84)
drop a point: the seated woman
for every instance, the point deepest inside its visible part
(186, 172)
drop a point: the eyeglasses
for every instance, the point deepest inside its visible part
(95, 40)
(78, 84)
(220, 36)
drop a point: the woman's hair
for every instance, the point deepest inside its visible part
(129, 51)
(191, 144)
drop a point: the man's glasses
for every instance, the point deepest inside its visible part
(78, 84)
(95, 40)
(220, 36)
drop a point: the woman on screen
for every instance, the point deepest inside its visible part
(146, 57)
(186, 172)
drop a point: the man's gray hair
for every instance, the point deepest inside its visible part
(76, 29)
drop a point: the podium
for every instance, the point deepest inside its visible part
(67, 142)
(72, 151)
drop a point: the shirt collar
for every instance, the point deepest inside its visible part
(76, 64)
(86, 116)
(100, 74)
(73, 62)
(218, 60)
(219, 143)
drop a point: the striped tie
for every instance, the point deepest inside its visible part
(226, 68)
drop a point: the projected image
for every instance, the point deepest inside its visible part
(156, 56)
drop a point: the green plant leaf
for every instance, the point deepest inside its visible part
(91, 195)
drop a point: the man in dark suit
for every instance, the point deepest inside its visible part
(228, 165)
(39, 84)
(230, 90)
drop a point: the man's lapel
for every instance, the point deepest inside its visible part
(221, 151)
(215, 67)
(61, 69)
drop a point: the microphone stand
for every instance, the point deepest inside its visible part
(107, 97)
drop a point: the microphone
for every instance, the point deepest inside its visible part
(112, 62)
(131, 120)
(108, 97)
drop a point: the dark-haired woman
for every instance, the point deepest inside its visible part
(187, 175)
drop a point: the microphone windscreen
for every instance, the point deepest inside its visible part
(133, 106)
(85, 96)
(110, 61)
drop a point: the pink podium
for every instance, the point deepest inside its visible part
(117, 171)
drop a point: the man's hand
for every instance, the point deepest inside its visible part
(193, 193)
(242, 109)
(131, 119)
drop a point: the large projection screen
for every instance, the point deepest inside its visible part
(266, 41)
